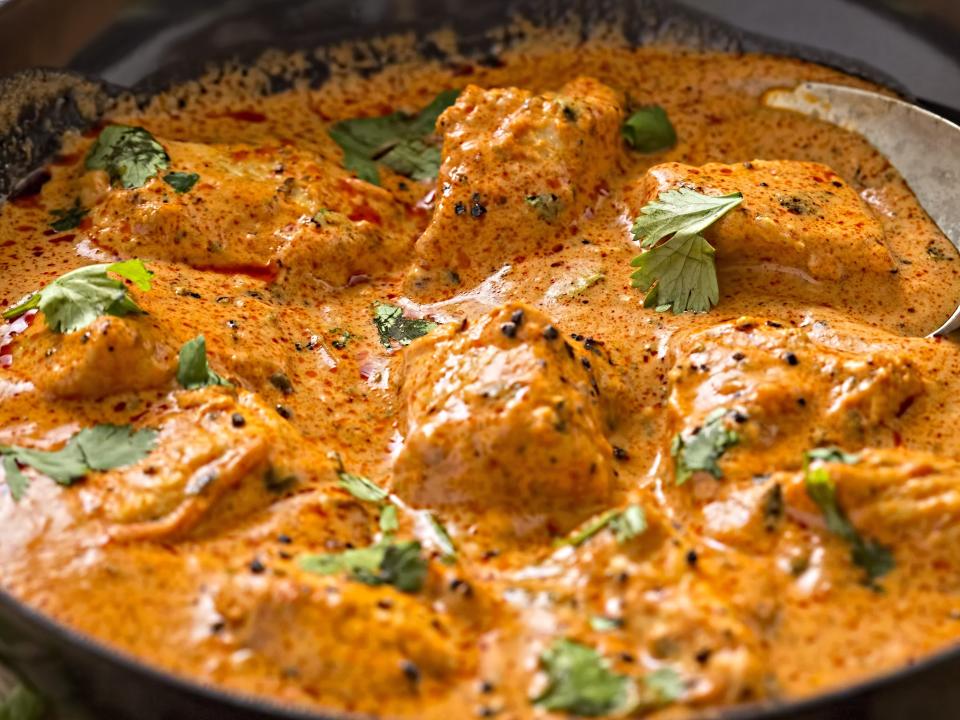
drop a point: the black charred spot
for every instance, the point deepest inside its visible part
(550, 333)
(237, 420)
(509, 329)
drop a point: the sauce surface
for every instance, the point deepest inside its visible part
(541, 397)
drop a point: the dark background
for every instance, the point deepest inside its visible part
(914, 41)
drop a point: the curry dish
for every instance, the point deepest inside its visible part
(575, 383)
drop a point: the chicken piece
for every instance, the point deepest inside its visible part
(218, 457)
(247, 207)
(320, 627)
(329, 249)
(111, 355)
(906, 499)
(518, 169)
(785, 392)
(505, 413)
(798, 215)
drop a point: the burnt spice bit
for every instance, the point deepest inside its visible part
(509, 329)
(791, 359)
(410, 671)
(517, 317)
(477, 209)
(620, 454)
(257, 567)
(550, 333)
(284, 412)
(284, 539)
(237, 420)
(282, 383)
(459, 208)
(692, 558)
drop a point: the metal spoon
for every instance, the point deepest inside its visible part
(925, 148)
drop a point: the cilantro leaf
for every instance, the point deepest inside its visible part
(193, 371)
(400, 141)
(662, 687)
(362, 488)
(16, 480)
(831, 454)
(398, 564)
(681, 211)
(547, 205)
(392, 326)
(68, 218)
(102, 447)
(625, 525)
(875, 559)
(21, 703)
(130, 155)
(180, 181)
(388, 519)
(441, 538)
(701, 449)
(602, 623)
(77, 298)
(105, 447)
(580, 681)
(649, 130)
(679, 273)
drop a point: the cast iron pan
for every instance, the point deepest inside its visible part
(85, 680)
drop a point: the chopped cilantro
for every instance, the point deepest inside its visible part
(68, 218)
(662, 687)
(180, 181)
(680, 272)
(388, 519)
(702, 449)
(625, 525)
(875, 559)
(602, 623)
(341, 338)
(547, 205)
(400, 141)
(580, 682)
(130, 155)
(441, 539)
(193, 371)
(392, 326)
(362, 488)
(102, 447)
(399, 564)
(77, 298)
(649, 130)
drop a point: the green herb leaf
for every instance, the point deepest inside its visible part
(662, 687)
(68, 218)
(77, 298)
(180, 181)
(681, 211)
(602, 623)
(831, 454)
(680, 273)
(702, 449)
(388, 519)
(21, 703)
(392, 326)
(362, 488)
(400, 141)
(102, 447)
(875, 559)
(398, 564)
(649, 130)
(441, 538)
(341, 338)
(105, 447)
(16, 480)
(193, 371)
(580, 681)
(625, 525)
(130, 155)
(547, 205)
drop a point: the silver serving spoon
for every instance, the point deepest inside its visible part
(923, 147)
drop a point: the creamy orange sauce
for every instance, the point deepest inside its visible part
(512, 439)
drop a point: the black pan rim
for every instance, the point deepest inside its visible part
(767, 710)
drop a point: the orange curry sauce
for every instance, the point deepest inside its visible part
(546, 395)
